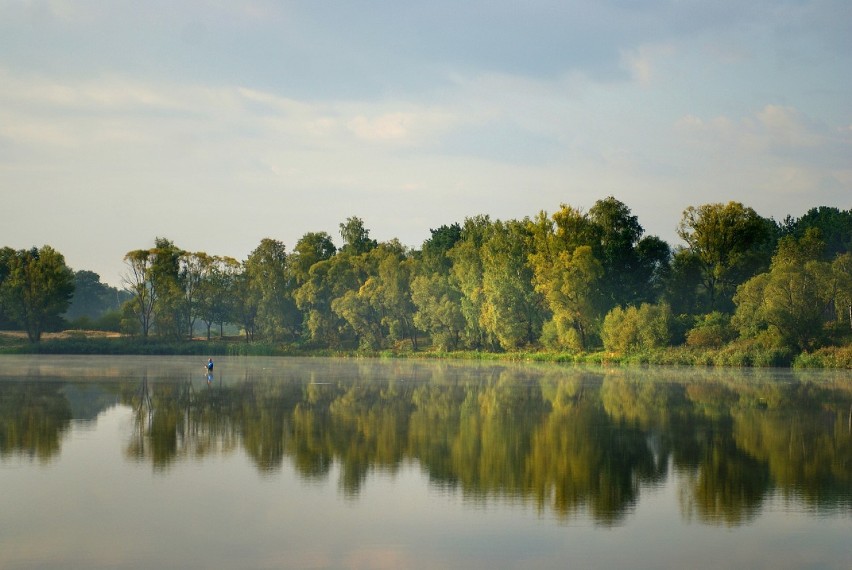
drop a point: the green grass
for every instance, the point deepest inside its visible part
(735, 354)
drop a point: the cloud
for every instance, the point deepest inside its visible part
(641, 62)
(408, 127)
(772, 129)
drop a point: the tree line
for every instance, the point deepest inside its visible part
(569, 281)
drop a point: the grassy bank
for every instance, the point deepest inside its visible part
(736, 355)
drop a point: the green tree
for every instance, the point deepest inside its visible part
(842, 270)
(731, 243)
(792, 298)
(683, 286)
(356, 237)
(37, 289)
(467, 275)
(512, 312)
(633, 265)
(834, 225)
(568, 275)
(6, 255)
(216, 296)
(270, 283)
(327, 280)
(438, 309)
(92, 298)
(171, 316)
(390, 292)
(194, 273)
(311, 248)
(434, 257)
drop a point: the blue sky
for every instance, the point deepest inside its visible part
(217, 124)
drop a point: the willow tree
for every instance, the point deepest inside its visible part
(568, 275)
(512, 312)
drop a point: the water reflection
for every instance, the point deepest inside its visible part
(564, 440)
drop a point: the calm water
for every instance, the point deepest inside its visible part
(312, 463)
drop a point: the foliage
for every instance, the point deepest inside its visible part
(36, 288)
(712, 330)
(792, 298)
(634, 329)
(730, 243)
(562, 284)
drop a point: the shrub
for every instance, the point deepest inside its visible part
(711, 331)
(637, 329)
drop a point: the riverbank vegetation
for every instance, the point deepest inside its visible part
(571, 286)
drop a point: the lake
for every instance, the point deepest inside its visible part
(144, 462)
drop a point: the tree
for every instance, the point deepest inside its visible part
(311, 248)
(141, 287)
(439, 312)
(434, 251)
(567, 274)
(467, 276)
(512, 312)
(842, 270)
(269, 282)
(171, 314)
(390, 291)
(91, 297)
(616, 233)
(792, 298)
(217, 292)
(834, 225)
(195, 269)
(356, 238)
(327, 280)
(731, 243)
(37, 289)
(637, 328)
(156, 288)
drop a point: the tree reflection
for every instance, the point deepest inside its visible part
(565, 441)
(33, 417)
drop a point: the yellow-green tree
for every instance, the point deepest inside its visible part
(792, 297)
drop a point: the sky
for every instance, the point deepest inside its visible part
(216, 124)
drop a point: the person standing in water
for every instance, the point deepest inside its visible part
(209, 371)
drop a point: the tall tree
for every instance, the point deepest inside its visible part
(731, 244)
(269, 282)
(170, 311)
(512, 312)
(216, 292)
(356, 237)
(834, 225)
(568, 275)
(311, 248)
(195, 269)
(37, 289)
(467, 276)
(141, 287)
